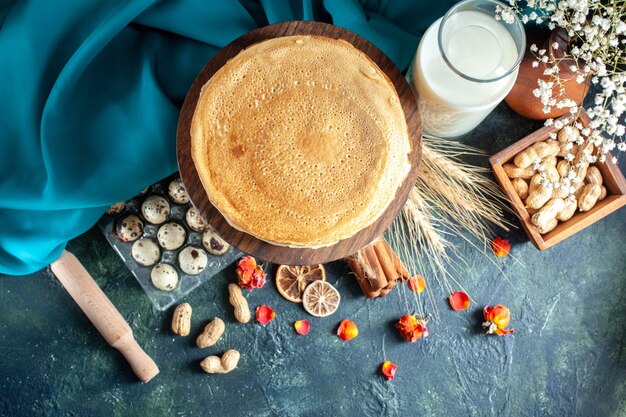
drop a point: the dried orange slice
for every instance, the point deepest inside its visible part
(292, 280)
(320, 299)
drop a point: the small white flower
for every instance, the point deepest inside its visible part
(614, 160)
(533, 48)
(555, 45)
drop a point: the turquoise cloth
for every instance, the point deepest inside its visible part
(90, 92)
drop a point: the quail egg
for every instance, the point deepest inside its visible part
(155, 209)
(145, 251)
(177, 192)
(171, 236)
(116, 208)
(129, 228)
(192, 260)
(213, 243)
(195, 220)
(164, 277)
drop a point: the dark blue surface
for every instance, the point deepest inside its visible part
(567, 357)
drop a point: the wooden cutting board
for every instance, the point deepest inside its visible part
(256, 247)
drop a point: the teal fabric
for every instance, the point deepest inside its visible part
(90, 92)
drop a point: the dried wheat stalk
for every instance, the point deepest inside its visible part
(450, 198)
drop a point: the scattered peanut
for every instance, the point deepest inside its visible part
(223, 365)
(181, 320)
(514, 172)
(589, 197)
(602, 193)
(521, 187)
(238, 301)
(593, 175)
(211, 334)
(568, 210)
(544, 217)
(536, 152)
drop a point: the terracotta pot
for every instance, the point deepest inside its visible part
(521, 98)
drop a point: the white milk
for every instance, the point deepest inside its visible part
(476, 45)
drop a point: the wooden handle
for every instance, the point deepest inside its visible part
(103, 314)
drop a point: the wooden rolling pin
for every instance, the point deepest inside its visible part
(103, 314)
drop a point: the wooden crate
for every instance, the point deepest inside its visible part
(613, 180)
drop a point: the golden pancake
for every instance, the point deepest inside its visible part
(300, 141)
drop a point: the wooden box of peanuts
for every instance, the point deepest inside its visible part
(556, 183)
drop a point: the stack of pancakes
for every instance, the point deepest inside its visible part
(300, 141)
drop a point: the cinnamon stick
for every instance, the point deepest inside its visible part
(398, 264)
(388, 288)
(364, 283)
(391, 271)
(377, 277)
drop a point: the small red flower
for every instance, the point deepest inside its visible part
(411, 328)
(302, 327)
(501, 247)
(264, 314)
(459, 300)
(347, 330)
(497, 320)
(416, 283)
(388, 369)
(249, 274)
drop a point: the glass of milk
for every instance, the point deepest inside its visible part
(465, 64)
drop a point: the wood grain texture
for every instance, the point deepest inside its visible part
(103, 314)
(613, 180)
(256, 247)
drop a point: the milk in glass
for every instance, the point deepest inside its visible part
(481, 68)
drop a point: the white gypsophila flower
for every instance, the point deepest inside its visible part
(596, 32)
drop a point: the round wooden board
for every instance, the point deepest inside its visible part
(259, 248)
